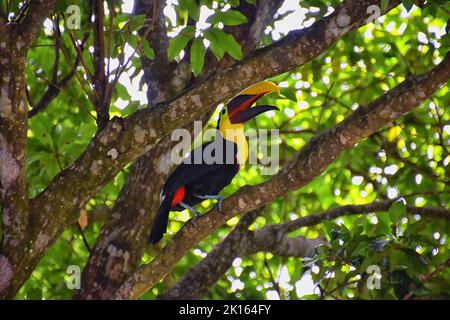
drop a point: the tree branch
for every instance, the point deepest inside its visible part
(147, 174)
(240, 242)
(100, 80)
(159, 72)
(133, 213)
(273, 238)
(347, 210)
(199, 279)
(248, 35)
(307, 164)
(123, 140)
(13, 140)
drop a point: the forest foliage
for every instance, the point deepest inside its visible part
(407, 161)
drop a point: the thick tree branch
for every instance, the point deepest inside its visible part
(165, 79)
(199, 279)
(240, 242)
(127, 229)
(123, 140)
(13, 139)
(14, 42)
(159, 72)
(273, 238)
(307, 164)
(285, 247)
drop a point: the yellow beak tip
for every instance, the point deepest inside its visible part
(267, 86)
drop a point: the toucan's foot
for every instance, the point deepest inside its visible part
(218, 204)
(188, 207)
(195, 212)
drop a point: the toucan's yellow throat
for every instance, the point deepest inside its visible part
(239, 110)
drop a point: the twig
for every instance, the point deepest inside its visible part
(428, 276)
(121, 69)
(324, 105)
(100, 81)
(83, 236)
(57, 49)
(272, 278)
(22, 11)
(63, 90)
(79, 78)
(111, 20)
(80, 57)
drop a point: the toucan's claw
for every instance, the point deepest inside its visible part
(189, 208)
(217, 205)
(195, 212)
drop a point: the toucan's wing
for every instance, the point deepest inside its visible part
(189, 170)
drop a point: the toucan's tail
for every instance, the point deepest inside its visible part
(160, 223)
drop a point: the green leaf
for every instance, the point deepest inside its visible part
(384, 223)
(192, 8)
(384, 5)
(361, 250)
(289, 93)
(148, 51)
(34, 294)
(397, 211)
(408, 4)
(135, 23)
(215, 45)
(42, 132)
(223, 42)
(197, 56)
(234, 3)
(229, 18)
(180, 42)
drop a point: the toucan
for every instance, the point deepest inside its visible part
(193, 181)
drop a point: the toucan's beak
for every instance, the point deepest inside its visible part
(249, 113)
(240, 108)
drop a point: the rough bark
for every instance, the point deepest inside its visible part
(201, 277)
(13, 139)
(120, 245)
(273, 238)
(123, 140)
(15, 39)
(240, 242)
(123, 239)
(307, 164)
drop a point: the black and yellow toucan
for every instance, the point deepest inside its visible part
(194, 181)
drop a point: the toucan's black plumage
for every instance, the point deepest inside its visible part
(191, 182)
(199, 179)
